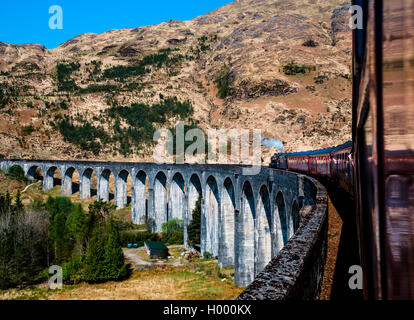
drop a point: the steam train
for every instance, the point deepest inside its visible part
(378, 165)
(335, 163)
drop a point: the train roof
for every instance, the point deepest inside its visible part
(319, 151)
(345, 145)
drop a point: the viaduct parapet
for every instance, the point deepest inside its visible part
(252, 222)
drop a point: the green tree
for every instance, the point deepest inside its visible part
(58, 235)
(16, 172)
(76, 221)
(59, 209)
(77, 228)
(102, 209)
(18, 205)
(58, 204)
(114, 257)
(94, 267)
(194, 227)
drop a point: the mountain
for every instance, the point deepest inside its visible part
(282, 66)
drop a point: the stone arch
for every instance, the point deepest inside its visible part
(245, 236)
(194, 190)
(211, 216)
(105, 184)
(123, 188)
(52, 178)
(280, 209)
(160, 200)
(263, 239)
(88, 182)
(139, 214)
(35, 173)
(176, 197)
(227, 223)
(69, 186)
(295, 216)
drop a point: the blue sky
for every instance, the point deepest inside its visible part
(27, 21)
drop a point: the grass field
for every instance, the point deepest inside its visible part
(190, 282)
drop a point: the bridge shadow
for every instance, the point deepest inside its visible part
(57, 182)
(348, 251)
(75, 187)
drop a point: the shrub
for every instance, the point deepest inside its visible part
(177, 237)
(16, 172)
(27, 130)
(4, 98)
(223, 81)
(310, 43)
(85, 135)
(292, 68)
(64, 71)
(72, 270)
(137, 237)
(173, 225)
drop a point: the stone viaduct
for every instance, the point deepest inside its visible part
(246, 219)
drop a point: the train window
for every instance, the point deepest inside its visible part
(394, 188)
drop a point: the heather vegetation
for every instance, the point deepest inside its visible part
(130, 127)
(7, 94)
(292, 68)
(157, 60)
(223, 81)
(64, 72)
(86, 135)
(4, 99)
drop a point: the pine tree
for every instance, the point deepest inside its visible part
(18, 205)
(194, 227)
(2, 205)
(94, 267)
(114, 257)
(7, 203)
(76, 221)
(76, 225)
(58, 235)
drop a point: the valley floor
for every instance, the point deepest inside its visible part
(200, 280)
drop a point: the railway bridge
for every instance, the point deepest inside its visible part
(270, 226)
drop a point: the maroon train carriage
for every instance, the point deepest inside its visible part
(383, 135)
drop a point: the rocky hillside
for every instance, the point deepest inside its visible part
(282, 66)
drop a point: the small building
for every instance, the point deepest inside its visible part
(156, 249)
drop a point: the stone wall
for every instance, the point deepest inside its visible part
(296, 272)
